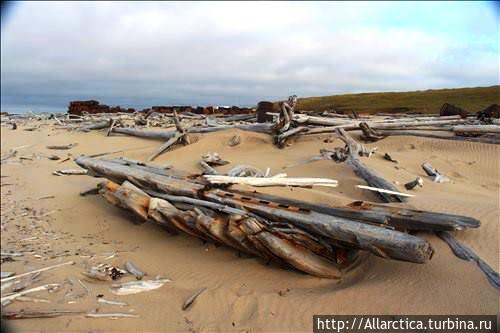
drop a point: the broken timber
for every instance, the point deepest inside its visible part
(351, 227)
(374, 180)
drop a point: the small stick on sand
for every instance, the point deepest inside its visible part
(25, 314)
(67, 172)
(36, 271)
(62, 147)
(111, 315)
(376, 189)
(29, 291)
(192, 298)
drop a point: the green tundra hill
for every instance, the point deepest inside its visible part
(425, 101)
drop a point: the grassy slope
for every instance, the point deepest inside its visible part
(428, 101)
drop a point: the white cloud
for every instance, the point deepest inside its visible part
(225, 53)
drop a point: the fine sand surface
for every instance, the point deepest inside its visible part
(243, 294)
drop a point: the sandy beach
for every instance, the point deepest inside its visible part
(45, 218)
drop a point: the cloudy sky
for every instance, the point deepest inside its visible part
(143, 54)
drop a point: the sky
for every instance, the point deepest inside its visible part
(230, 53)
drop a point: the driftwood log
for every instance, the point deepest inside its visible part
(373, 179)
(180, 137)
(243, 233)
(360, 227)
(167, 134)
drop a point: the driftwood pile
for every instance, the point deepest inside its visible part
(324, 241)
(288, 123)
(462, 126)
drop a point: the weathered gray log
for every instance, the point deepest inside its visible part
(435, 175)
(369, 133)
(353, 232)
(165, 135)
(476, 129)
(397, 217)
(96, 126)
(159, 135)
(380, 124)
(281, 138)
(370, 212)
(111, 125)
(259, 128)
(285, 245)
(197, 202)
(170, 142)
(207, 169)
(286, 115)
(168, 171)
(382, 242)
(465, 253)
(443, 136)
(372, 178)
(139, 177)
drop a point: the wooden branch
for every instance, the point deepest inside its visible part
(170, 142)
(465, 253)
(369, 133)
(372, 178)
(9, 298)
(433, 173)
(178, 124)
(207, 169)
(111, 126)
(280, 139)
(36, 271)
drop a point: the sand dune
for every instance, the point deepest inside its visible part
(243, 294)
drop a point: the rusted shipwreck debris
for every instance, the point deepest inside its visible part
(93, 107)
(324, 241)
